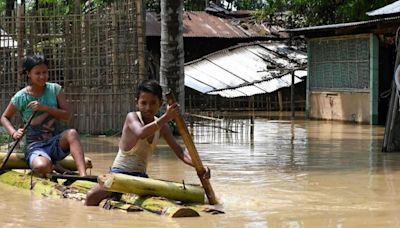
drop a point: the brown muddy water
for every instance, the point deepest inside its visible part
(300, 174)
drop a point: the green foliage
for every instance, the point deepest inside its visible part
(51, 43)
(2, 6)
(153, 5)
(354, 10)
(4, 137)
(49, 7)
(95, 4)
(189, 5)
(248, 4)
(194, 5)
(57, 7)
(111, 133)
(318, 12)
(269, 8)
(172, 127)
(314, 12)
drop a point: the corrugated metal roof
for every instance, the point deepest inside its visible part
(202, 24)
(388, 9)
(343, 25)
(245, 70)
(6, 41)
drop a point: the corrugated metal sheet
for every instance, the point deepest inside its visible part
(6, 41)
(388, 9)
(202, 24)
(246, 70)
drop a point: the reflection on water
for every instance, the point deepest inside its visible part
(291, 174)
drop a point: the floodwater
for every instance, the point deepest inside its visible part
(300, 174)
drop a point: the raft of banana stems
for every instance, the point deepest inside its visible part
(128, 202)
(144, 189)
(122, 183)
(17, 161)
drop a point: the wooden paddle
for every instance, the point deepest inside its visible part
(16, 142)
(187, 139)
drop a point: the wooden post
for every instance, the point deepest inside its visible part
(251, 112)
(292, 96)
(392, 115)
(187, 139)
(141, 39)
(280, 102)
(20, 39)
(77, 7)
(191, 121)
(114, 60)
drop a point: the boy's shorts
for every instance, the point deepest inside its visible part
(136, 174)
(49, 149)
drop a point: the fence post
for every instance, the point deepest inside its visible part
(21, 34)
(280, 101)
(292, 96)
(141, 38)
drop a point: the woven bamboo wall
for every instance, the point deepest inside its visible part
(95, 56)
(339, 63)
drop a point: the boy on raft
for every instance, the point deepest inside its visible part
(140, 135)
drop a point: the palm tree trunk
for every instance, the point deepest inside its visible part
(172, 52)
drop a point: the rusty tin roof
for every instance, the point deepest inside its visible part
(202, 24)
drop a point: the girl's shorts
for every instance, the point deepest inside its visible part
(49, 149)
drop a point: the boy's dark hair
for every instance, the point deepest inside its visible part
(32, 61)
(150, 86)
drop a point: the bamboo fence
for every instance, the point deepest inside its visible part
(96, 54)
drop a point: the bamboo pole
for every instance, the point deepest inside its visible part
(393, 113)
(7, 156)
(187, 139)
(280, 101)
(292, 96)
(141, 38)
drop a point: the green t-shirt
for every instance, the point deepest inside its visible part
(43, 125)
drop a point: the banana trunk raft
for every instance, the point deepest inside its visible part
(147, 186)
(128, 202)
(17, 161)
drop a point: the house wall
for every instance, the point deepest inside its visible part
(343, 78)
(346, 106)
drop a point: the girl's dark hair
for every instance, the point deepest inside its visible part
(150, 86)
(32, 61)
